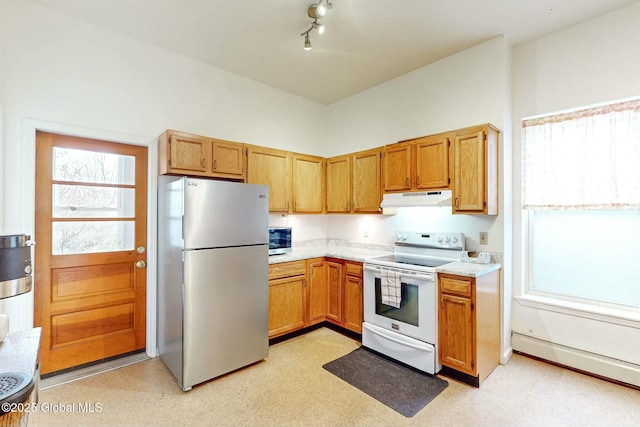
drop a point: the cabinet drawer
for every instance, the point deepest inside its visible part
(353, 269)
(287, 269)
(455, 286)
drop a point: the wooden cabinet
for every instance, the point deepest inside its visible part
(181, 153)
(287, 297)
(308, 177)
(475, 166)
(469, 325)
(339, 184)
(417, 164)
(335, 285)
(432, 162)
(353, 303)
(318, 291)
(397, 169)
(271, 167)
(354, 182)
(366, 181)
(303, 293)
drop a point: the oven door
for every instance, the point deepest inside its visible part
(417, 315)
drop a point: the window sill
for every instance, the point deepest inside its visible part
(604, 314)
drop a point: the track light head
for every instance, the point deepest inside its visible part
(307, 42)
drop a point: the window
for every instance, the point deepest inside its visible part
(581, 191)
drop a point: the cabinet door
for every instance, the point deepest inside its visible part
(397, 167)
(187, 154)
(469, 172)
(339, 184)
(367, 181)
(286, 305)
(432, 162)
(334, 276)
(308, 184)
(456, 326)
(318, 293)
(270, 167)
(228, 159)
(353, 303)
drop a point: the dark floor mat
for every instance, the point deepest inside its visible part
(403, 389)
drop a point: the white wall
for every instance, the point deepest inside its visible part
(592, 62)
(63, 74)
(465, 89)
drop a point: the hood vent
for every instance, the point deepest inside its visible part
(424, 198)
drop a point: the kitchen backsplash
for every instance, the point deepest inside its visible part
(342, 243)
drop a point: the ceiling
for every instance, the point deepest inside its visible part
(367, 42)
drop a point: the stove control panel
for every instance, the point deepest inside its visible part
(430, 239)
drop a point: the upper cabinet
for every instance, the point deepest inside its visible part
(475, 158)
(398, 171)
(432, 162)
(339, 172)
(366, 181)
(181, 153)
(308, 188)
(354, 182)
(271, 167)
(417, 164)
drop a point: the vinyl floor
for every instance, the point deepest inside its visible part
(290, 388)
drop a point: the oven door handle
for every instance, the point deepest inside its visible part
(425, 276)
(425, 347)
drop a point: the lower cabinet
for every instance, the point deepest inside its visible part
(287, 286)
(469, 326)
(307, 292)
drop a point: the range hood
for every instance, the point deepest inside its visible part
(423, 198)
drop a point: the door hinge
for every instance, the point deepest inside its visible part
(473, 306)
(484, 204)
(169, 162)
(473, 364)
(448, 180)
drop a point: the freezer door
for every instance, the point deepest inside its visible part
(225, 311)
(221, 214)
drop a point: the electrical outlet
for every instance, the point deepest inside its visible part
(366, 233)
(484, 238)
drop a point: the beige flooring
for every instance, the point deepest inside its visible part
(290, 388)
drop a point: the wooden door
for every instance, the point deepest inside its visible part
(308, 184)
(286, 305)
(271, 167)
(339, 184)
(456, 326)
(187, 154)
(228, 159)
(469, 172)
(367, 181)
(353, 303)
(397, 167)
(90, 275)
(318, 296)
(334, 280)
(432, 162)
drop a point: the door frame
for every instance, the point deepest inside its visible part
(29, 128)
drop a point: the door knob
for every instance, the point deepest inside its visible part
(141, 264)
(140, 249)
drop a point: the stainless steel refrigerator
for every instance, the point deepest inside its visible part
(212, 276)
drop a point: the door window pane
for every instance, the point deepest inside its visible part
(91, 166)
(81, 201)
(81, 237)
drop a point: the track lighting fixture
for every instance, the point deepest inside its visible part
(316, 11)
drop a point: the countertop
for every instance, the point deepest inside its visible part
(359, 254)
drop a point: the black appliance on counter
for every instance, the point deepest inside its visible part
(15, 265)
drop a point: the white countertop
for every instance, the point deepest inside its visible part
(468, 269)
(360, 254)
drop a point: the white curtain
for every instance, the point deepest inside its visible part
(585, 159)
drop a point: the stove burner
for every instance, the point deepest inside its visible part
(15, 387)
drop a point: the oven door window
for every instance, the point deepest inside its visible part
(408, 310)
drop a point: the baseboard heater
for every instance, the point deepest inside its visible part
(596, 364)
